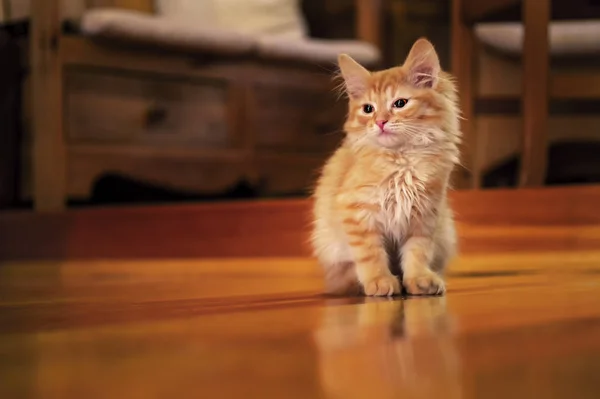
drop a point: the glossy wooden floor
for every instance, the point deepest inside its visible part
(520, 325)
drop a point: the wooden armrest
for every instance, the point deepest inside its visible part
(369, 21)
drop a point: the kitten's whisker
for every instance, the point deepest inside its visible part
(340, 88)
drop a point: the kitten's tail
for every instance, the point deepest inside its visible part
(341, 279)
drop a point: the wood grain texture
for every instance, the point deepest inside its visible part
(192, 169)
(103, 107)
(572, 79)
(178, 119)
(283, 172)
(199, 134)
(369, 19)
(536, 64)
(575, 85)
(137, 101)
(47, 120)
(573, 90)
(136, 5)
(563, 219)
(260, 328)
(297, 119)
(80, 52)
(464, 68)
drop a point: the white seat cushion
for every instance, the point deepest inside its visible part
(281, 18)
(135, 27)
(316, 50)
(198, 11)
(151, 30)
(567, 38)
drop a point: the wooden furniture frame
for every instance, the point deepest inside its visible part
(536, 17)
(540, 84)
(53, 52)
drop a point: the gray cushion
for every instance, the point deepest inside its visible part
(567, 38)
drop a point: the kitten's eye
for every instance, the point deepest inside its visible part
(368, 108)
(400, 103)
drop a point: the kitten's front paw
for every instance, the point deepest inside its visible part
(424, 283)
(385, 285)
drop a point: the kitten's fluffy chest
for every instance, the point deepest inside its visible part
(406, 190)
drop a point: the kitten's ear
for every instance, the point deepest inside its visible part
(355, 76)
(423, 65)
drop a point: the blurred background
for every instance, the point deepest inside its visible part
(138, 101)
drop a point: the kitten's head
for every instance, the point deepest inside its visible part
(412, 105)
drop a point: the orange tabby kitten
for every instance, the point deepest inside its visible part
(384, 189)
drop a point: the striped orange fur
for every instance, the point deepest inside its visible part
(388, 181)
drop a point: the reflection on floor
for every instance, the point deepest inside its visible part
(512, 325)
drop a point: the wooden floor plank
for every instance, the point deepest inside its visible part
(551, 218)
(524, 325)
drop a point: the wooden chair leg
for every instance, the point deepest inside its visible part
(464, 69)
(49, 185)
(369, 20)
(536, 16)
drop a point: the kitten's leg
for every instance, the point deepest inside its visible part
(331, 248)
(445, 246)
(417, 256)
(341, 279)
(368, 250)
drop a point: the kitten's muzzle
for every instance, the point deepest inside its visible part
(381, 123)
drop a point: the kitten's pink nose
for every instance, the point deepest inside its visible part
(381, 123)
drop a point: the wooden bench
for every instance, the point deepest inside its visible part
(180, 120)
